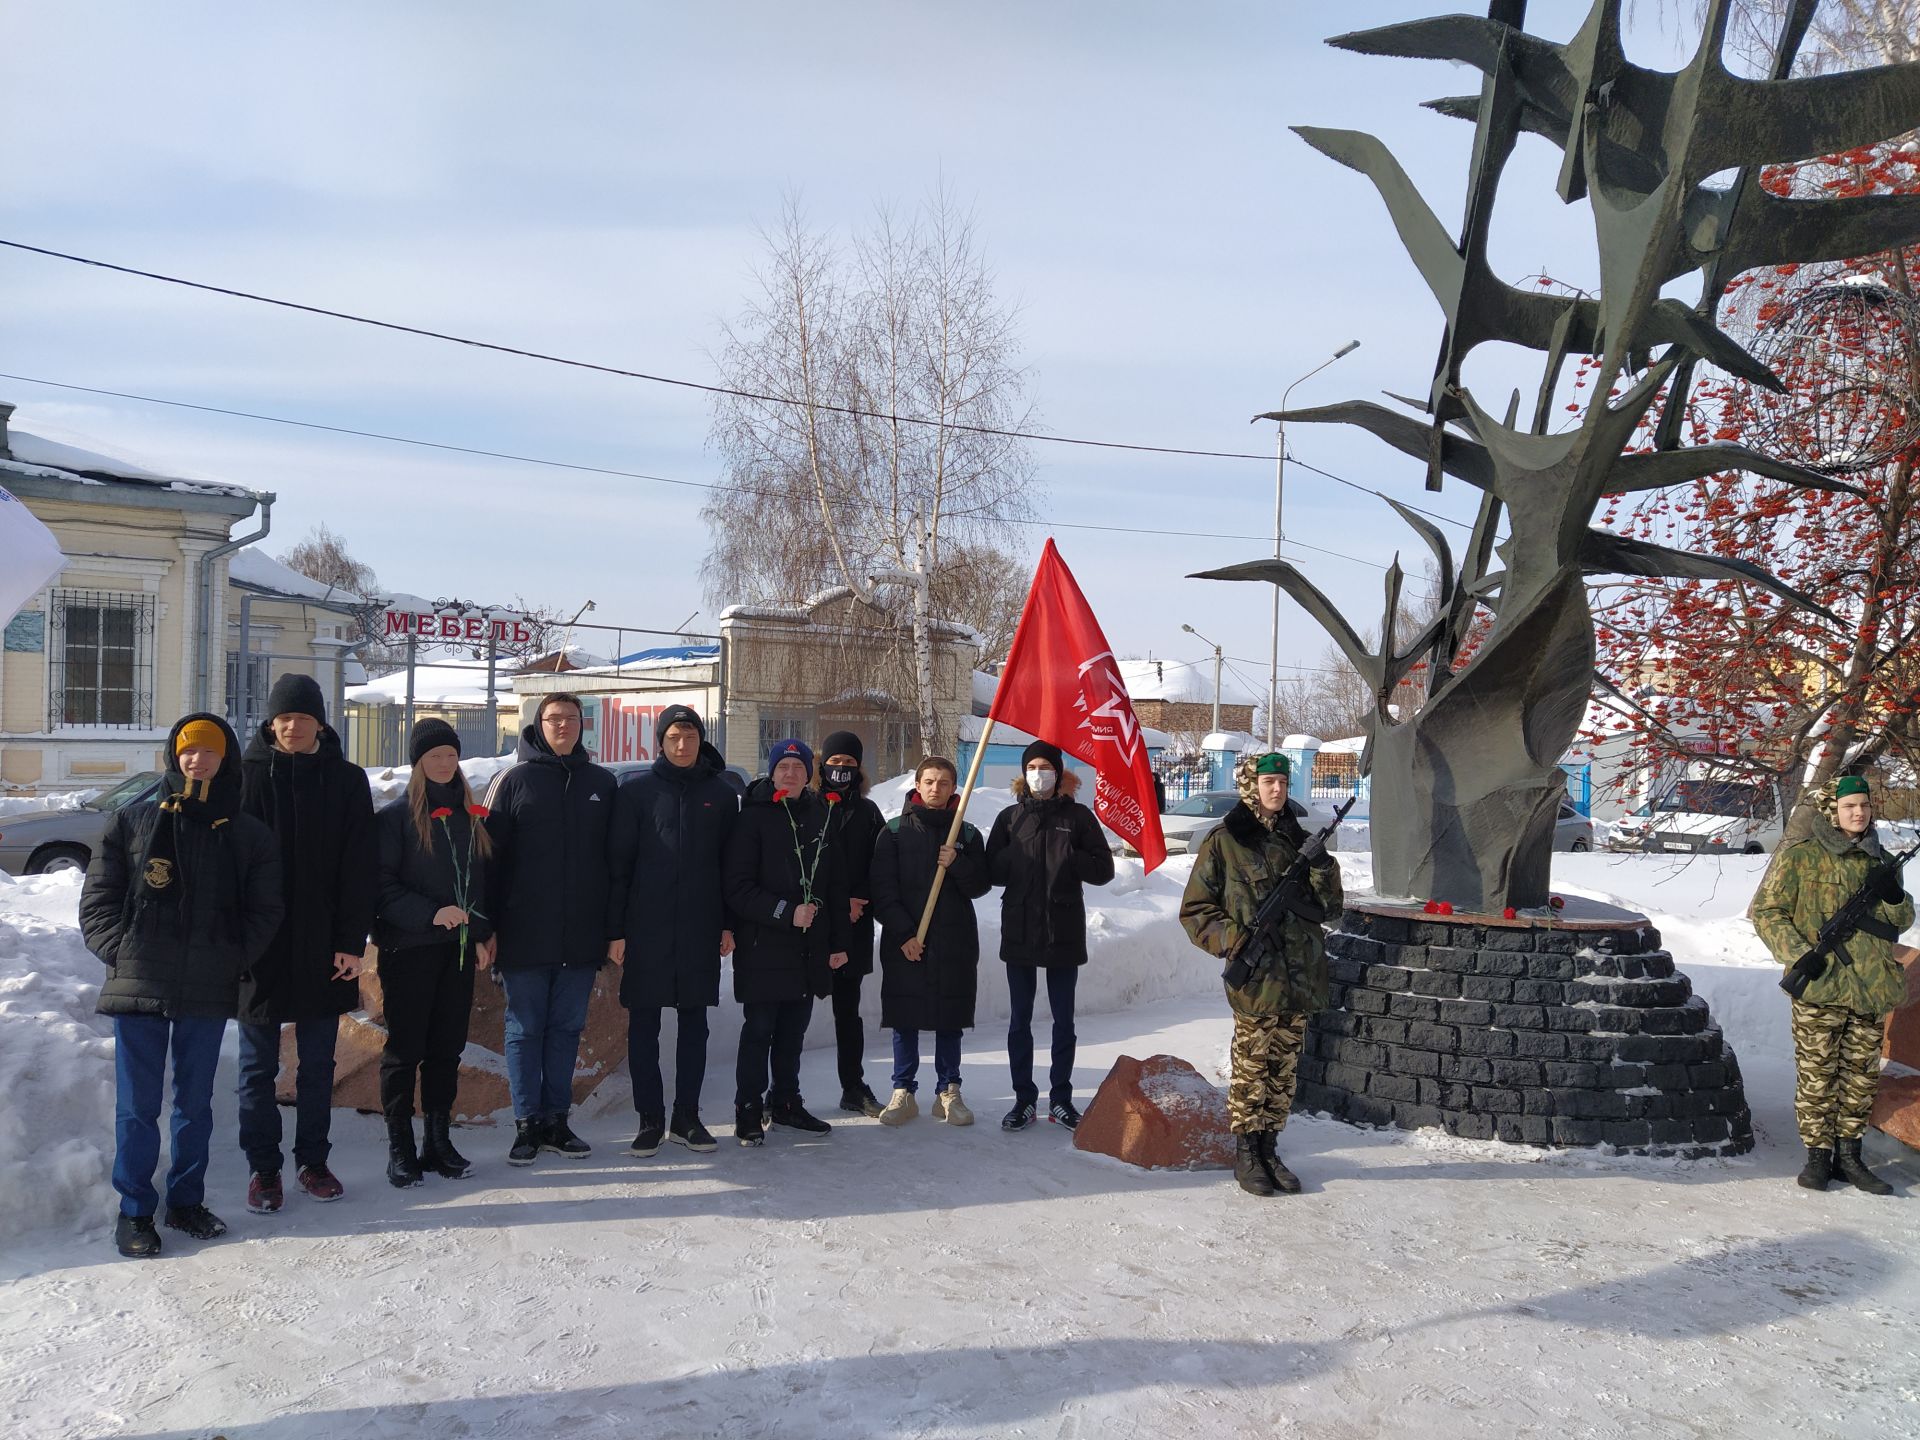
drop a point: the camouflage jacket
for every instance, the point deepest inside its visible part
(1807, 882)
(1240, 861)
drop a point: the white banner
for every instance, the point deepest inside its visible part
(29, 555)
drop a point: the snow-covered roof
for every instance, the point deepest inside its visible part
(1350, 745)
(76, 456)
(253, 567)
(803, 613)
(1236, 741)
(984, 687)
(1180, 682)
(436, 685)
(1005, 734)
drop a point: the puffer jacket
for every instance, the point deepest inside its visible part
(1044, 851)
(1239, 863)
(764, 878)
(182, 897)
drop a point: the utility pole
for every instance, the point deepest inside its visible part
(1216, 672)
(1279, 530)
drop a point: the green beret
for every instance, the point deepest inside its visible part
(1273, 763)
(1851, 785)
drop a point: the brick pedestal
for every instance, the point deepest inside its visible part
(1578, 1032)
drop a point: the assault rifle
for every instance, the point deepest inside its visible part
(1292, 896)
(1856, 914)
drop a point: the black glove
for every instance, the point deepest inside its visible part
(1891, 889)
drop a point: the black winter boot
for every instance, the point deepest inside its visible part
(688, 1131)
(557, 1136)
(1848, 1165)
(436, 1151)
(1284, 1180)
(747, 1126)
(1818, 1171)
(526, 1142)
(653, 1129)
(135, 1237)
(1247, 1169)
(403, 1161)
(792, 1115)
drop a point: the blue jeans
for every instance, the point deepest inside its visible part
(906, 1059)
(689, 1059)
(546, 1011)
(1023, 984)
(314, 1040)
(140, 1050)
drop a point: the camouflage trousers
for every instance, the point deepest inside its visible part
(1266, 1062)
(1836, 1060)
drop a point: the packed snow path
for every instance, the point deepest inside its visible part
(939, 1282)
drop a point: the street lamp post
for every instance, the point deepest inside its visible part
(1216, 673)
(1279, 532)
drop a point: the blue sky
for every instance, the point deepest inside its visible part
(589, 179)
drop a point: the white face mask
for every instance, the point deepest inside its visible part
(1041, 778)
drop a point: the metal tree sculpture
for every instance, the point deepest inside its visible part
(1466, 790)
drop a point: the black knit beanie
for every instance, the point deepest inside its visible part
(430, 734)
(843, 742)
(677, 715)
(1041, 750)
(296, 695)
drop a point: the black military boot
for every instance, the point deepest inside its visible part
(1818, 1171)
(1248, 1170)
(436, 1150)
(1848, 1165)
(747, 1123)
(1285, 1182)
(403, 1161)
(557, 1137)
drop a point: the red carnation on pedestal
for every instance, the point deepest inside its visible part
(1432, 907)
(1508, 914)
(1446, 907)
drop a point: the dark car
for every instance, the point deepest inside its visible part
(45, 842)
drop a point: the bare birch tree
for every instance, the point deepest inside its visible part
(879, 423)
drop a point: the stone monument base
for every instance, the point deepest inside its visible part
(1570, 1028)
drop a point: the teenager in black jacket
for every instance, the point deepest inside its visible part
(296, 779)
(1044, 849)
(670, 830)
(549, 818)
(433, 932)
(930, 985)
(786, 887)
(856, 823)
(182, 898)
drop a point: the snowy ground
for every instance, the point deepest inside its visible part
(934, 1282)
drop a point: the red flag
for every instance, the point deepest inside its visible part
(1060, 683)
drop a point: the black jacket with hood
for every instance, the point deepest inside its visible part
(763, 879)
(670, 831)
(856, 823)
(417, 881)
(1043, 851)
(935, 992)
(320, 810)
(549, 818)
(182, 896)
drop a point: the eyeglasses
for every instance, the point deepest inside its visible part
(560, 721)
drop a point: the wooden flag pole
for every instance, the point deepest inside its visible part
(953, 831)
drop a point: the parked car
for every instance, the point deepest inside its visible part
(45, 842)
(734, 775)
(1572, 831)
(1185, 825)
(1705, 813)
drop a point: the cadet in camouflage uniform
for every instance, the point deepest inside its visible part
(1838, 1023)
(1238, 865)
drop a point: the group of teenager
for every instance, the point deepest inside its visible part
(251, 886)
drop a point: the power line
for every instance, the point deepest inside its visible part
(685, 384)
(630, 474)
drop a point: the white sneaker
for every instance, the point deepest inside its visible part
(948, 1106)
(900, 1108)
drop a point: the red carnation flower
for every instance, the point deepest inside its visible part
(1508, 914)
(833, 797)
(1432, 907)
(1557, 903)
(442, 813)
(1446, 907)
(479, 812)
(779, 795)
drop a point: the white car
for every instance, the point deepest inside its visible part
(1185, 825)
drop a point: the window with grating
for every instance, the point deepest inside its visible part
(100, 660)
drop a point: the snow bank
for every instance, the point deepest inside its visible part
(61, 800)
(389, 782)
(56, 1062)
